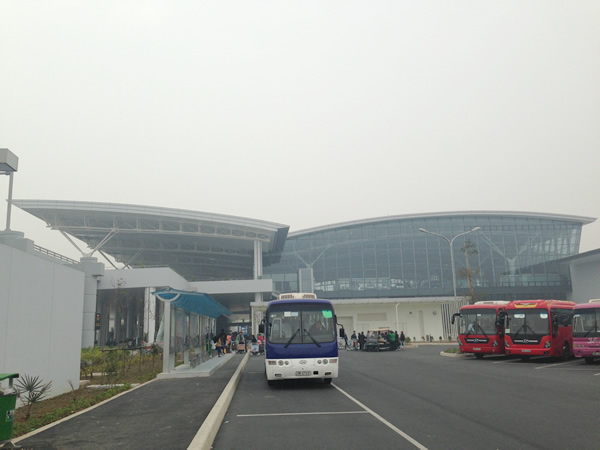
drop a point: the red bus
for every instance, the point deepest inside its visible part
(480, 330)
(539, 328)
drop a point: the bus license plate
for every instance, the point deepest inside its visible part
(477, 349)
(526, 351)
(596, 353)
(303, 373)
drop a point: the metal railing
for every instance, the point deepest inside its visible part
(54, 255)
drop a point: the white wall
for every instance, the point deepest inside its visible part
(372, 315)
(136, 278)
(585, 279)
(41, 307)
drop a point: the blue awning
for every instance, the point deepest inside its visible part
(195, 302)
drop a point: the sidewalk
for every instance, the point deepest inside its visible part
(164, 413)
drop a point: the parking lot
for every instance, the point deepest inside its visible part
(417, 398)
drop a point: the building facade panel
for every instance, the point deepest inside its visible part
(510, 256)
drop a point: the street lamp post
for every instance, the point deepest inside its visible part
(450, 241)
(9, 162)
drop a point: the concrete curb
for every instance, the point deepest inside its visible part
(209, 429)
(454, 355)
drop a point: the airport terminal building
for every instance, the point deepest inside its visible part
(408, 272)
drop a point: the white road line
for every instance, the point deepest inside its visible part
(381, 419)
(556, 364)
(596, 374)
(304, 414)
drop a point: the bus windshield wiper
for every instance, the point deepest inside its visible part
(518, 331)
(481, 329)
(313, 339)
(292, 338)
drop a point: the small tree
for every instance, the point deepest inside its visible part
(32, 390)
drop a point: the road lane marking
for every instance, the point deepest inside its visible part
(556, 364)
(303, 414)
(382, 420)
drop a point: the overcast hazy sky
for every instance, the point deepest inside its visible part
(304, 113)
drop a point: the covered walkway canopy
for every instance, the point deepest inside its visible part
(194, 302)
(188, 317)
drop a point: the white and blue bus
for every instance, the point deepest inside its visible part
(300, 339)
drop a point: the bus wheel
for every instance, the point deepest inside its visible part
(327, 380)
(589, 360)
(479, 355)
(566, 354)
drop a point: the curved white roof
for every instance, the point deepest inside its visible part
(198, 245)
(578, 219)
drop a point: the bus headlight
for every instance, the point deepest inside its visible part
(506, 344)
(495, 344)
(547, 344)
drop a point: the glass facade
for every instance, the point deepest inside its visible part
(510, 257)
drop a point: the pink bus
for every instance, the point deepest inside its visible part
(586, 330)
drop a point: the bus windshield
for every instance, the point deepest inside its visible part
(478, 321)
(585, 323)
(528, 322)
(306, 323)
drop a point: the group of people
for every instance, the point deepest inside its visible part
(391, 338)
(228, 342)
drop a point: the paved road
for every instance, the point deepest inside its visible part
(417, 398)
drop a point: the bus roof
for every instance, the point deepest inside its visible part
(486, 305)
(299, 301)
(296, 296)
(519, 304)
(595, 303)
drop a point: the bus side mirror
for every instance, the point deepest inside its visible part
(261, 328)
(454, 316)
(342, 332)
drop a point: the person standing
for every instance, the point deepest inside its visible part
(393, 340)
(402, 339)
(361, 340)
(221, 345)
(346, 341)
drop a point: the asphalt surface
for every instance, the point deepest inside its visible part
(162, 414)
(417, 398)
